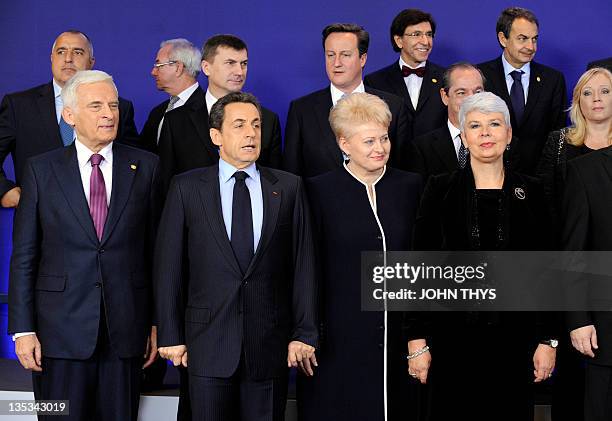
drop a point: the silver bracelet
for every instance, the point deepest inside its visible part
(417, 353)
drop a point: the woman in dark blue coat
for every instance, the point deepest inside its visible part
(362, 371)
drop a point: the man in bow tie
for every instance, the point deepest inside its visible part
(413, 77)
(310, 145)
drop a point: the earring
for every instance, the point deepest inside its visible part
(508, 147)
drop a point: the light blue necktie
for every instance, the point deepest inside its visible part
(66, 131)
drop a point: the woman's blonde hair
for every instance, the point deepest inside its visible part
(577, 133)
(357, 109)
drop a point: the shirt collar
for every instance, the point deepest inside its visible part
(403, 63)
(210, 100)
(57, 90)
(184, 96)
(226, 171)
(84, 153)
(337, 94)
(509, 68)
(454, 132)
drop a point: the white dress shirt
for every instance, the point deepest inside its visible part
(508, 68)
(210, 100)
(337, 94)
(413, 82)
(182, 99)
(106, 166)
(455, 135)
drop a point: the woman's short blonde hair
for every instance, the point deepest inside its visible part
(577, 132)
(356, 109)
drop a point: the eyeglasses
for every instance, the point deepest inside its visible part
(160, 65)
(419, 34)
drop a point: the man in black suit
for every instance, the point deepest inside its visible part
(30, 121)
(535, 93)
(80, 279)
(606, 63)
(413, 78)
(242, 232)
(441, 150)
(310, 145)
(587, 206)
(185, 141)
(175, 71)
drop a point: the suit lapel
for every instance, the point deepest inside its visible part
(445, 149)
(427, 88)
(399, 86)
(210, 197)
(322, 107)
(497, 79)
(48, 116)
(69, 179)
(199, 118)
(124, 171)
(536, 81)
(272, 197)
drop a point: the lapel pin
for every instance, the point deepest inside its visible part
(434, 80)
(275, 193)
(519, 193)
(133, 166)
(538, 79)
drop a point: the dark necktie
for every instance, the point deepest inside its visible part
(66, 131)
(462, 156)
(517, 95)
(242, 222)
(97, 195)
(407, 71)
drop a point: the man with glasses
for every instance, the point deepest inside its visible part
(175, 71)
(413, 77)
(535, 93)
(31, 123)
(310, 145)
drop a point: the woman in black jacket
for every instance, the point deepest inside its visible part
(484, 364)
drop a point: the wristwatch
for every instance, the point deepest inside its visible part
(553, 343)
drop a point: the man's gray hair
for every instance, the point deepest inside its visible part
(184, 51)
(69, 91)
(486, 103)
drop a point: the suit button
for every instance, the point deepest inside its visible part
(98, 284)
(380, 345)
(381, 327)
(101, 251)
(379, 237)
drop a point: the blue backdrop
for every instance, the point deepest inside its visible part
(285, 53)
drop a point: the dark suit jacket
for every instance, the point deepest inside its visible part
(587, 206)
(185, 143)
(544, 110)
(606, 62)
(433, 153)
(28, 127)
(228, 313)
(60, 270)
(310, 145)
(430, 112)
(148, 135)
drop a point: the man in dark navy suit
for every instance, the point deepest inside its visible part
(80, 278)
(235, 245)
(31, 123)
(414, 77)
(606, 63)
(310, 145)
(535, 94)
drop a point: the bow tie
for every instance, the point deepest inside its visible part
(407, 71)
